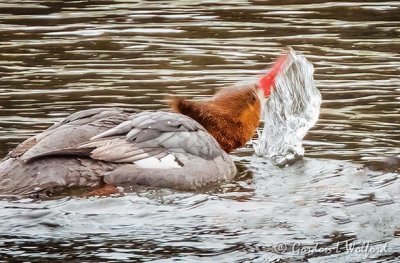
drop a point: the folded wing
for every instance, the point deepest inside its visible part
(152, 136)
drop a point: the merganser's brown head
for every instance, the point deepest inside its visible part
(232, 115)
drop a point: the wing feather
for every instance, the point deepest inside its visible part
(149, 135)
(154, 134)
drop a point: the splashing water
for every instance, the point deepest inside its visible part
(291, 110)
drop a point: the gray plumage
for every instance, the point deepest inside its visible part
(102, 145)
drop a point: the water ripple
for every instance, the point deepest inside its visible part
(58, 57)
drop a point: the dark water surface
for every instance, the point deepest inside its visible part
(57, 58)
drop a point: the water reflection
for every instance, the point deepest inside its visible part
(58, 57)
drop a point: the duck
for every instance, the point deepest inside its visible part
(105, 149)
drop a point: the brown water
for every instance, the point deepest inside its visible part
(57, 58)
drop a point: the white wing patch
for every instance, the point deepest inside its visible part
(166, 162)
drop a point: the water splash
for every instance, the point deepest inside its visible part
(291, 110)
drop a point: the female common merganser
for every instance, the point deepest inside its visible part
(106, 147)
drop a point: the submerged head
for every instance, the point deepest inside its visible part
(233, 114)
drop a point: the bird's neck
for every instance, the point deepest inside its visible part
(231, 116)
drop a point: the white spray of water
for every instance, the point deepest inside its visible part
(291, 110)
